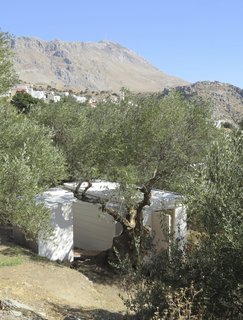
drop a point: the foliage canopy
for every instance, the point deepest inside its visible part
(128, 142)
(29, 164)
(143, 142)
(206, 281)
(7, 74)
(24, 101)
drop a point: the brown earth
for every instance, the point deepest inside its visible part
(56, 290)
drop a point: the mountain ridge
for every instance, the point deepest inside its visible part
(225, 99)
(103, 65)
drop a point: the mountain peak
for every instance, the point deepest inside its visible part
(103, 65)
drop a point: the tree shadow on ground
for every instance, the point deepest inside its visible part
(97, 270)
(69, 313)
(6, 234)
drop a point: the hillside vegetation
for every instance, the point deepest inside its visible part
(226, 100)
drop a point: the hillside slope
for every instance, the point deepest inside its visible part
(95, 66)
(226, 100)
(54, 290)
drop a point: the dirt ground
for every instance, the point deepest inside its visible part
(59, 292)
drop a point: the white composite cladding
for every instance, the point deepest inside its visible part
(59, 246)
(93, 229)
(166, 216)
(83, 225)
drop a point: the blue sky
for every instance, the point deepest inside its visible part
(192, 39)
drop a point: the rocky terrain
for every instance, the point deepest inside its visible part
(225, 99)
(99, 67)
(78, 66)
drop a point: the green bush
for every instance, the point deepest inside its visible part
(29, 164)
(206, 280)
(23, 102)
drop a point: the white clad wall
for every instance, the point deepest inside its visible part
(59, 246)
(93, 229)
(82, 225)
(181, 225)
(161, 228)
(167, 222)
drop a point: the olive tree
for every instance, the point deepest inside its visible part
(206, 280)
(7, 75)
(215, 199)
(23, 102)
(28, 160)
(29, 163)
(144, 142)
(66, 120)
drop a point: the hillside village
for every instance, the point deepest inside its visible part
(54, 95)
(225, 100)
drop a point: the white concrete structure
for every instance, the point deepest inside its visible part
(167, 218)
(59, 246)
(57, 98)
(94, 230)
(37, 94)
(51, 96)
(83, 225)
(79, 99)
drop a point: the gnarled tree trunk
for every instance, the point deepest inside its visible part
(130, 244)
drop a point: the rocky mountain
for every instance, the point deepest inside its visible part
(225, 99)
(107, 66)
(95, 66)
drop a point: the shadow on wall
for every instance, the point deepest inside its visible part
(59, 246)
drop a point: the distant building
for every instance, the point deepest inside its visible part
(21, 88)
(79, 99)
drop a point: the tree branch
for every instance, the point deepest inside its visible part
(82, 195)
(146, 190)
(96, 200)
(118, 217)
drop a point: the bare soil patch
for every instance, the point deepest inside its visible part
(58, 291)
